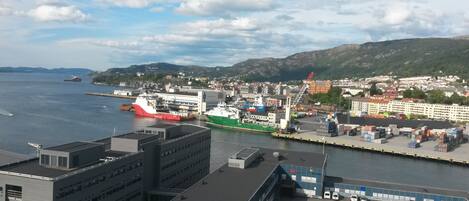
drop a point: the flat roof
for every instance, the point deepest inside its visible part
(74, 146)
(136, 136)
(235, 184)
(395, 186)
(343, 119)
(7, 157)
(162, 125)
(32, 167)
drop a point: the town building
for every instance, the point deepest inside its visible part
(141, 165)
(319, 86)
(258, 174)
(361, 106)
(193, 100)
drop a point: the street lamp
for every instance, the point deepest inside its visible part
(323, 145)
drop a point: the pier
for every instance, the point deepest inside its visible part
(110, 95)
(394, 147)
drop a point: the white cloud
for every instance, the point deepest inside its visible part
(130, 3)
(222, 7)
(397, 14)
(4, 10)
(47, 13)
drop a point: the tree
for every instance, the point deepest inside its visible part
(374, 90)
(436, 96)
(414, 93)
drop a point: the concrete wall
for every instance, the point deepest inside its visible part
(33, 189)
(124, 144)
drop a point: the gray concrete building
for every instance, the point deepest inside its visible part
(143, 165)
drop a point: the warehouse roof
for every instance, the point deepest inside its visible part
(234, 184)
(399, 187)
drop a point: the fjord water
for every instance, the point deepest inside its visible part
(48, 111)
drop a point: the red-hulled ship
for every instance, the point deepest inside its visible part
(151, 106)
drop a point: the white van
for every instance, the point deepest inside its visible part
(327, 195)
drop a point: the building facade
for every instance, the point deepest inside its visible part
(433, 111)
(129, 167)
(319, 86)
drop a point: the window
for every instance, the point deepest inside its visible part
(14, 193)
(284, 176)
(76, 161)
(63, 162)
(308, 179)
(45, 159)
(53, 161)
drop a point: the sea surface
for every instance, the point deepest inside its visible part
(49, 111)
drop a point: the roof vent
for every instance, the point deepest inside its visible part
(183, 197)
(204, 182)
(276, 154)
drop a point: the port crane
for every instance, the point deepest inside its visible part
(285, 123)
(303, 89)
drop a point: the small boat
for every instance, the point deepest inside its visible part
(73, 79)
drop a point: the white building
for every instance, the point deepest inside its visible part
(197, 100)
(434, 111)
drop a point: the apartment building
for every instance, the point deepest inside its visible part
(319, 86)
(433, 111)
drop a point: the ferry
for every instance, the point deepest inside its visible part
(152, 106)
(231, 117)
(73, 79)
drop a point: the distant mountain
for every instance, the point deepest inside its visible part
(407, 57)
(71, 71)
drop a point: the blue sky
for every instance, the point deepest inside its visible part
(100, 34)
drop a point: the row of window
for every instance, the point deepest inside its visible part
(191, 155)
(54, 161)
(178, 147)
(79, 186)
(185, 169)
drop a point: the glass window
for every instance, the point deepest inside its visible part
(53, 161)
(308, 179)
(63, 162)
(45, 159)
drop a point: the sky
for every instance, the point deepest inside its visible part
(101, 34)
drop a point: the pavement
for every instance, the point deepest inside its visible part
(396, 145)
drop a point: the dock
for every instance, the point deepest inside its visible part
(110, 95)
(459, 156)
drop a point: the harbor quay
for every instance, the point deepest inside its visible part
(394, 146)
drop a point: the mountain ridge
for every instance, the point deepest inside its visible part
(79, 71)
(403, 57)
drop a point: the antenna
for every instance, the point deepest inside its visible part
(38, 147)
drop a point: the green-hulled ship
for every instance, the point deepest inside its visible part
(230, 117)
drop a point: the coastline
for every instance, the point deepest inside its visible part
(449, 157)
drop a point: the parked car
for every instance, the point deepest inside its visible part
(327, 195)
(354, 198)
(363, 199)
(335, 196)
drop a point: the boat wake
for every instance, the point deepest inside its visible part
(5, 113)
